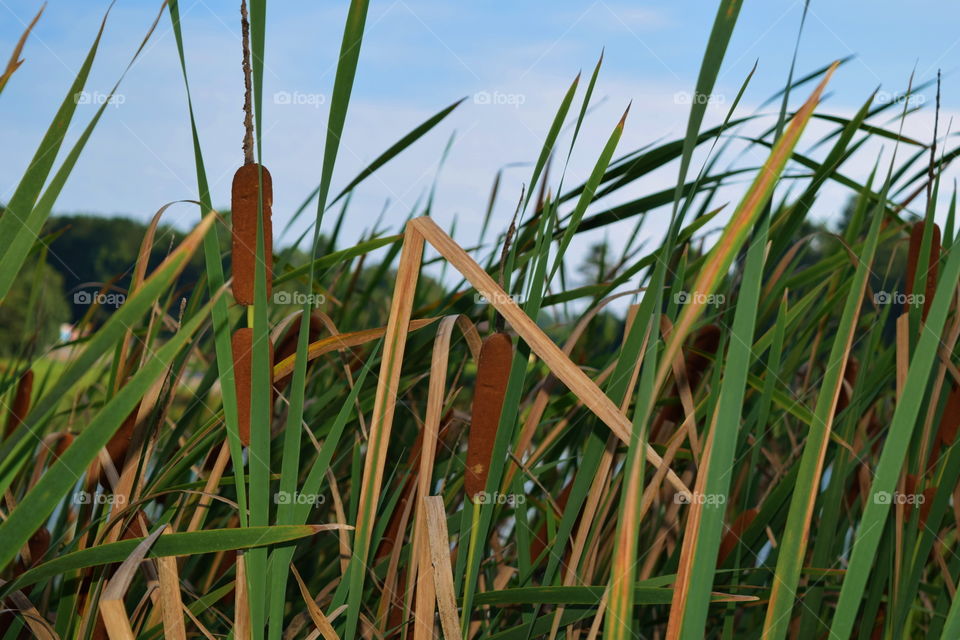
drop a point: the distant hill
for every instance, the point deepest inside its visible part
(89, 251)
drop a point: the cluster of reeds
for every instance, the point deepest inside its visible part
(764, 446)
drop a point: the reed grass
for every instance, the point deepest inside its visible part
(764, 444)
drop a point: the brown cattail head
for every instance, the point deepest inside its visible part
(734, 533)
(21, 403)
(119, 444)
(913, 259)
(117, 448)
(493, 373)
(242, 344)
(911, 484)
(540, 541)
(38, 545)
(928, 495)
(947, 430)
(287, 345)
(393, 533)
(705, 344)
(63, 443)
(244, 206)
(950, 420)
(696, 361)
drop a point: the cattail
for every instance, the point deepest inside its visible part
(248, 199)
(392, 533)
(63, 443)
(242, 344)
(539, 543)
(911, 482)
(880, 624)
(493, 373)
(705, 344)
(734, 533)
(117, 448)
(948, 427)
(928, 495)
(696, 362)
(913, 258)
(120, 442)
(245, 204)
(950, 420)
(21, 403)
(287, 346)
(37, 547)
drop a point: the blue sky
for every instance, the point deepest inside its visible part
(419, 56)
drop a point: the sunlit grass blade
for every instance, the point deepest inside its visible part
(870, 528)
(736, 231)
(793, 547)
(704, 531)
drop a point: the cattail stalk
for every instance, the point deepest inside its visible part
(493, 373)
(251, 208)
(913, 259)
(246, 201)
(242, 346)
